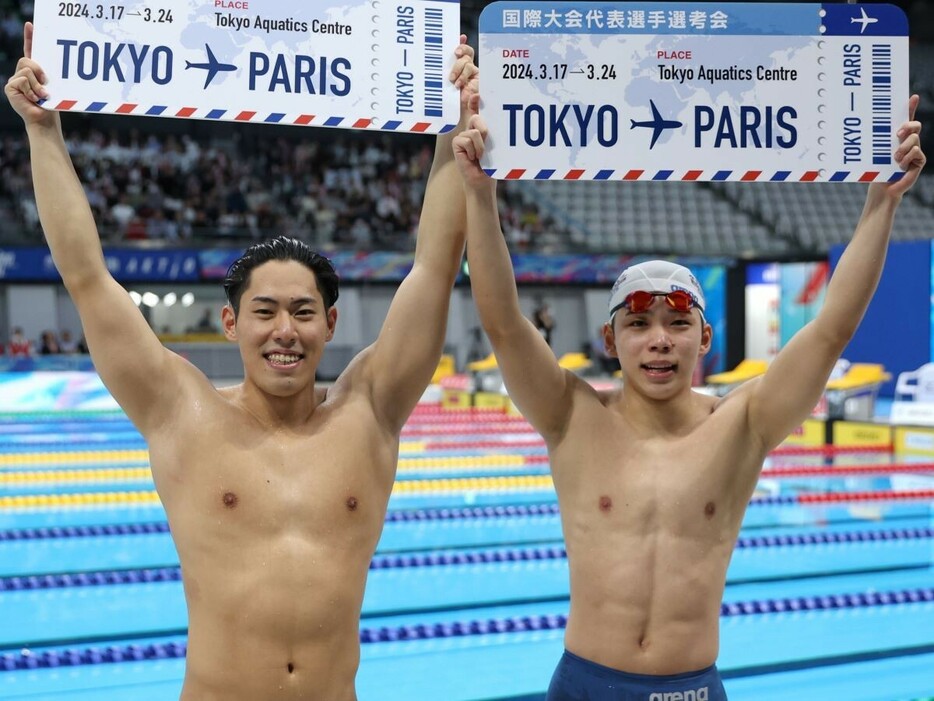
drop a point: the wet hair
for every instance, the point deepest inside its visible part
(280, 248)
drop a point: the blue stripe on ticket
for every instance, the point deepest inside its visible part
(690, 18)
(648, 18)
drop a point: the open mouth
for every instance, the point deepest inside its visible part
(659, 369)
(283, 360)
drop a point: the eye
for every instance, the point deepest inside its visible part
(305, 312)
(263, 311)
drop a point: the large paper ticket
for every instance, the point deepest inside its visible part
(693, 91)
(369, 64)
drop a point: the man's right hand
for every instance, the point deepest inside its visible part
(26, 87)
(468, 149)
(465, 77)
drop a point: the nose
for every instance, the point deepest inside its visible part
(662, 342)
(285, 332)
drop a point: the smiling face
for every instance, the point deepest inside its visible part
(659, 348)
(281, 328)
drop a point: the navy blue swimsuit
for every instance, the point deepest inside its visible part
(577, 679)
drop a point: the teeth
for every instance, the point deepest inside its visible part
(282, 359)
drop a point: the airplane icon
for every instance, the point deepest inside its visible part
(864, 20)
(213, 66)
(657, 124)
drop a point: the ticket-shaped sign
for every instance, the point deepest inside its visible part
(693, 91)
(362, 64)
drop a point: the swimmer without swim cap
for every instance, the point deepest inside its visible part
(655, 276)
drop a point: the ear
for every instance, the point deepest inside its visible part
(609, 341)
(706, 340)
(332, 323)
(229, 322)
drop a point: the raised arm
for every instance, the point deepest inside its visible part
(131, 361)
(791, 387)
(399, 365)
(536, 383)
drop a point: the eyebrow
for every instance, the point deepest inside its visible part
(297, 302)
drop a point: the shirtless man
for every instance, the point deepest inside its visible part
(653, 479)
(275, 489)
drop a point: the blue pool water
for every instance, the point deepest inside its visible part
(466, 600)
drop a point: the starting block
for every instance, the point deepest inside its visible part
(722, 382)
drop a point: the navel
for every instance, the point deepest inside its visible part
(230, 500)
(710, 509)
(351, 503)
(291, 667)
(606, 504)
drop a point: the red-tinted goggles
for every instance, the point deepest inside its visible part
(640, 301)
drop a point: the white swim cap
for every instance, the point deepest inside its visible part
(655, 276)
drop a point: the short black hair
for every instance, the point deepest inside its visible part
(280, 248)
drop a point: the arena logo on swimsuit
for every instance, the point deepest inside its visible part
(572, 126)
(689, 695)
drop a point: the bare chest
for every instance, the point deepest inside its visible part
(675, 487)
(264, 484)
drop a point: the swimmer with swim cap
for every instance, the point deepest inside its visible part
(638, 285)
(653, 478)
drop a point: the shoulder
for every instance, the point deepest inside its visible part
(355, 378)
(205, 399)
(738, 398)
(200, 411)
(188, 375)
(353, 390)
(585, 399)
(729, 416)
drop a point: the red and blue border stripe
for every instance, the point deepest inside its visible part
(690, 175)
(249, 116)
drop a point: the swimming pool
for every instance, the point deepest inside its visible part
(830, 593)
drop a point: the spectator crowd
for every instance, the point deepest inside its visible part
(329, 187)
(49, 343)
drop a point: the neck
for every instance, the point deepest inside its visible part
(649, 416)
(279, 412)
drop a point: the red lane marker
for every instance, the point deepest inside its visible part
(814, 471)
(483, 445)
(831, 449)
(459, 430)
(885, 495)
